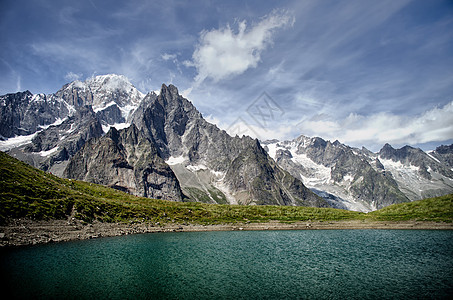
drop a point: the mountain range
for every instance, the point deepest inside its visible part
(158, 145)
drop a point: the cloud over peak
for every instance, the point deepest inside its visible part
(222, 53)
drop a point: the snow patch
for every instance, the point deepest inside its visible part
(105, 128)
(73, 127)
(195, 168)
(218, 173)
(397, 165)
(431, 156)
(117, 126)
(103, 106)
(319, 174)
(127, 110)
(348, 178)
(175, 160)
(57, 122)
(16, 141)
(48, 152)
(273, 150)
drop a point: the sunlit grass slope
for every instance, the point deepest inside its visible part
(26, 192)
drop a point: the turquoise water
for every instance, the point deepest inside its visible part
(324, 264)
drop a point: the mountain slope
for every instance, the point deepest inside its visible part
(419, 174)
(57, 125)
(127, 161)
(26, 192)
(361, 180)
(336, 172)
(212, 166)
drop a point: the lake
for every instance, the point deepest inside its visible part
(306, 264)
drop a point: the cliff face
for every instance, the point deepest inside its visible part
(211, 165)
(359, 179)
(127, 161)
(342, 175)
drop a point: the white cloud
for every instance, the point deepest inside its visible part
(18, 83)
(72, 76)
(222, 53)
(433, 125)
(167, 56)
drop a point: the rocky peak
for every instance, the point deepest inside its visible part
(128, 161)
(101, 92)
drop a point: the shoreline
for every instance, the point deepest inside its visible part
(23, 232)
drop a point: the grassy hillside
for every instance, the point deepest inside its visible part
(31, 193)
(432, 209)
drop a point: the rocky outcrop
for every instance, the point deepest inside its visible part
(343, 174)
(24, 113)
(127, 161)
(211, 165)
(360, 179)
(419, 174)
(444, 154)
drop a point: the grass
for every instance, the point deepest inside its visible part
(439, 209)
(26, 192)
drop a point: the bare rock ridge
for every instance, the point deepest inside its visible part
(128, 161)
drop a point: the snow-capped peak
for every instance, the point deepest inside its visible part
(111, 83)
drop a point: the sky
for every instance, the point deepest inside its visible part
(363, 72)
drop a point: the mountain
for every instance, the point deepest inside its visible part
(444, 155)
(359, 179)
(103, 130)
(24, 113)
(206, 164)
(112, 98)
(47, 130)
(125, 160)
(419, 174)
(212, 166)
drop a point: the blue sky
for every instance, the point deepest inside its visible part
(363, 72)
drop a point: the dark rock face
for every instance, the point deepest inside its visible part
(247, 174)
(374, 179)
(335, 169)
(418, 158)
(24, 113)
(110, 115)
(445, 155)
(65, 139)
(253, 173)
(127, 161)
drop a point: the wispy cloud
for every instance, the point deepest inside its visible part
(73, 76)
(167, 56)
(222, 53)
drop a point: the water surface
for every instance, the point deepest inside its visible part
(309, 264)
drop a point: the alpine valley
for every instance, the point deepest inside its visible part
(158, 145)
